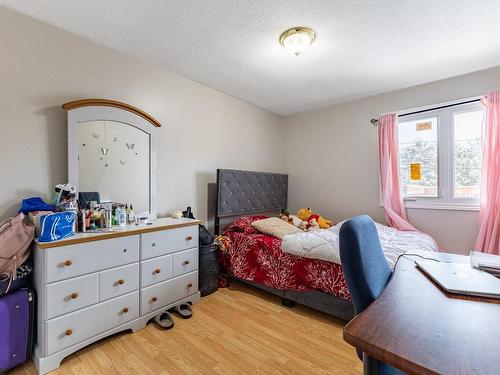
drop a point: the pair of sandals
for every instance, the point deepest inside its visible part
(166, 319)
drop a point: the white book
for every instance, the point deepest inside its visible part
(484, 261)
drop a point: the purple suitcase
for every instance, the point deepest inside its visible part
(16, 328)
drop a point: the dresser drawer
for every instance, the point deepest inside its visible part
(167, 292)
(74, 260)
(164, 242)
(156, 270)
(66, 296)
(185, 261)
(72, 328)
(118, 281)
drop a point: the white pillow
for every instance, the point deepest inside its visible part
(275, 227)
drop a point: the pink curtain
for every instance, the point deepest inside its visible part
(488, 239)
(395, 213)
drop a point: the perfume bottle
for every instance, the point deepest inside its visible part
(131, 215)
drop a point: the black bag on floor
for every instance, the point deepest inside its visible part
(23, 278)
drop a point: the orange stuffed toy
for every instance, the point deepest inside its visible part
(308, 215)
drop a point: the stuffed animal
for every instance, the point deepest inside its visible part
(296, 221)
(308, 215)
(285, 217)
(313, 224)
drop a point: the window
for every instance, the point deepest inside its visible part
(467, 153)
(418, 148)
(440, 157)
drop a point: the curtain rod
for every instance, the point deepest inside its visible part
(374, 121)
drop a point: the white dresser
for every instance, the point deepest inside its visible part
(93, 285)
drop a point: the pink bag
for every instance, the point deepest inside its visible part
(15, 240)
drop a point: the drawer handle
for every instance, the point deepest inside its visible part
(120, 282)
(189, 238)
(157, 271)
(154, 299)
(189, 285)
(153, 244)
(74, 295)
(125, 310)
(185, 263)
(68, 262)
(68, 332)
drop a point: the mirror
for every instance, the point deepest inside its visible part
(114, 161)
(111, 151)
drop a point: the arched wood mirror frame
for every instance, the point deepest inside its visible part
(110, 103)
(88, 110)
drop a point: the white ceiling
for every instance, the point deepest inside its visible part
(363, 46)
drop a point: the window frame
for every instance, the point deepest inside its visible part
(446, 156)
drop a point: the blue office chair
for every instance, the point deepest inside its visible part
(367, 273)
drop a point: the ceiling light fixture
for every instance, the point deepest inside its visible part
(297, 39)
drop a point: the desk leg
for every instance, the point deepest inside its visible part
(370, 365)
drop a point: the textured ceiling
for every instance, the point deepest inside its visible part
(363, 46)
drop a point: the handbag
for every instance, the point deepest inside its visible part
(56, 226)
(15, 239)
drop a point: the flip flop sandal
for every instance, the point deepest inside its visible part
(184, 310)
(165, 320)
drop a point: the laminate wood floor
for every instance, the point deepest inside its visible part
(239, 330)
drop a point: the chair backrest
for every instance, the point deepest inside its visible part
(365, 268)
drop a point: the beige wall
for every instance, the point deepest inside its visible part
(332, 159)
(330, 153)
(202, 129)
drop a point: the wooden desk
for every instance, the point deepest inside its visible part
(419, 329)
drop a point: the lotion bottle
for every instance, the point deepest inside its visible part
(122, 216)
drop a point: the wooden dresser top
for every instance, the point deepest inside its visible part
(128, 230)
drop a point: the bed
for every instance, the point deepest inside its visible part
(258, 260)
(288, 268)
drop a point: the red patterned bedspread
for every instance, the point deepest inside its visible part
(257, 257)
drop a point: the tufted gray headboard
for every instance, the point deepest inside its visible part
(247, 192)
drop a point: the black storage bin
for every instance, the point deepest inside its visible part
(208, 276)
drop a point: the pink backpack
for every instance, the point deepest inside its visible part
(15, 240)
